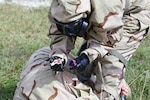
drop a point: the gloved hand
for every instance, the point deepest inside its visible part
(81, 62)
(57, 63)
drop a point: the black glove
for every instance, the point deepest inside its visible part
(82, 61)
(57, 63)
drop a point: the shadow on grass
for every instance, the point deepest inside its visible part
(7, 92)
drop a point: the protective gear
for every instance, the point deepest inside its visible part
(81, 64)
(85, 76)
(82, 61)
(72, 29)
(57, 63)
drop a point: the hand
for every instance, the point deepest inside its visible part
(57, 63)
(81, 62)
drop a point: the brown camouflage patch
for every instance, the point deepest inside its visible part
(27, 97)
(54, 95)
(106, 18)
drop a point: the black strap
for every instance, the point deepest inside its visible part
(72, 29)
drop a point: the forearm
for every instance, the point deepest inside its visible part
(65, 11)
(94, 50)
(61, 44)
(136, 25)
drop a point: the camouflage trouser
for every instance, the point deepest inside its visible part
(39, 82)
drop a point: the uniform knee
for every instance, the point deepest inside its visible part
(109, 89)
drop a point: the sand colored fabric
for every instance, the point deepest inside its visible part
(109, 29)
(39, 82)
(107, 25)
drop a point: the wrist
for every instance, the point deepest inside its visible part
(57, 63)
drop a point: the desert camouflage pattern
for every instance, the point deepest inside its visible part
(110, 28)
(39, 82)
(102, 31)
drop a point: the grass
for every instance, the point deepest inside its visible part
(23, 31)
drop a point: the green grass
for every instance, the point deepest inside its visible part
(23, 31)
(17, 20)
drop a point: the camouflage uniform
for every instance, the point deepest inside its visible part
(113, 35)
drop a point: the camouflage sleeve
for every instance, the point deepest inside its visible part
(144, 13)
(135, 29)
(65, 11)
(106, 12)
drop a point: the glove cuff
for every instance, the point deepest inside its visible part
(84, 56)
(63, 56)
(57, 63)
